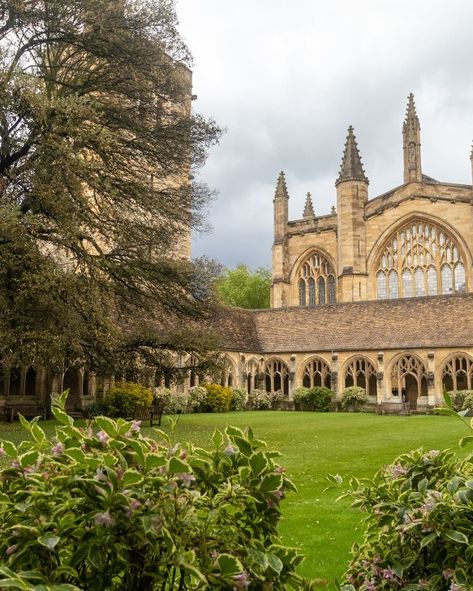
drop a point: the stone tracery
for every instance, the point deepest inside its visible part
(316, 281)
(420, 259)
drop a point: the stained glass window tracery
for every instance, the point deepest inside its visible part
(317, 281)
(420, 259)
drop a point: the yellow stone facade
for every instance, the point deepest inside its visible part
(415, 241)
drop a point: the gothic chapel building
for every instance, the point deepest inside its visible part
(379, 293)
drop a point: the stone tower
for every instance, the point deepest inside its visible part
(352, 195)
(411, 144)
(280, 202)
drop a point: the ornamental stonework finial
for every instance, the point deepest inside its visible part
(308, 207)
(351, 168)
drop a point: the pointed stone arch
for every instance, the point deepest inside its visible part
(419, 255)
(276, 372)
(252, 374)
(313, 278)
(408, 374)
(360, 371)
(228, 375)
(316, 372)
(457, 372)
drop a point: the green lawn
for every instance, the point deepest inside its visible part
(314, 445)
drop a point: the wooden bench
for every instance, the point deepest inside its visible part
(145, 413)
(12, 411)
(394, 408)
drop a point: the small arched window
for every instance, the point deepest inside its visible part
(311, 291)
(331, 289)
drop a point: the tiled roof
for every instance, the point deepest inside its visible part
(440, 321)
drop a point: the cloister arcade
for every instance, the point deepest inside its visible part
(414, 377)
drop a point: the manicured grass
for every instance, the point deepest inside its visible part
(314, 445)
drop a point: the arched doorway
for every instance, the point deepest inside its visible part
(409, 380)
(72, 381)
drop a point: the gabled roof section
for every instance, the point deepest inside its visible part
(351, 168)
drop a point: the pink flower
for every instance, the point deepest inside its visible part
(397, 471)
(102, 437)
(185, 478)
(58, 449)
(183, 454)
(104, 518)
(241, 581)
(229, 450)
(455, 587)
(11, 549)
(447, 573)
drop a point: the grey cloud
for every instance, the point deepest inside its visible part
(287, 79)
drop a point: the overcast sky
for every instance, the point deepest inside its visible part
(287, 77)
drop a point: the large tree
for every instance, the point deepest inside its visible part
(244, 288)
(97, 143)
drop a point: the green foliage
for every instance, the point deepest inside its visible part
(244, 288)
(173, 402)
(70, 174)
(123, 398)
(218, 398)
(313, 399)
(354, 396)
(419, 525)
(259, 400)
(196, 398)
(239, 399)
(107, 509)
(461, 399)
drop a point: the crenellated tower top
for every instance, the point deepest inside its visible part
(411, 144)
(351, 168)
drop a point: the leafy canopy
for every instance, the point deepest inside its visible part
(244, 288)
(97, 143)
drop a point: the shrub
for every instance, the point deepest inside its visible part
(316, 399)
(462, 399)
(106, 509)
(123, 398)
(173, 402)
(218, 399)
(354, 396)
(239, 399)
(97, 409)
(259, 400)
(419, 525)
(196, 398)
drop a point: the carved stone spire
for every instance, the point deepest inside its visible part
(281, 188)
(351, 168)
(308, 207)
(411, 144)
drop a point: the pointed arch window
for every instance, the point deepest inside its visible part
(420, 259)
(317, 280)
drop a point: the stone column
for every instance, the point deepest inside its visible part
(335, 382)
(292, 376)
(381, 393)
(434, 397)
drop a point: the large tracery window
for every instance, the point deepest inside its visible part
(316, 281)
(277, 377)
(316, 373)
(420, 259)
(458, 374)
(360, 372)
